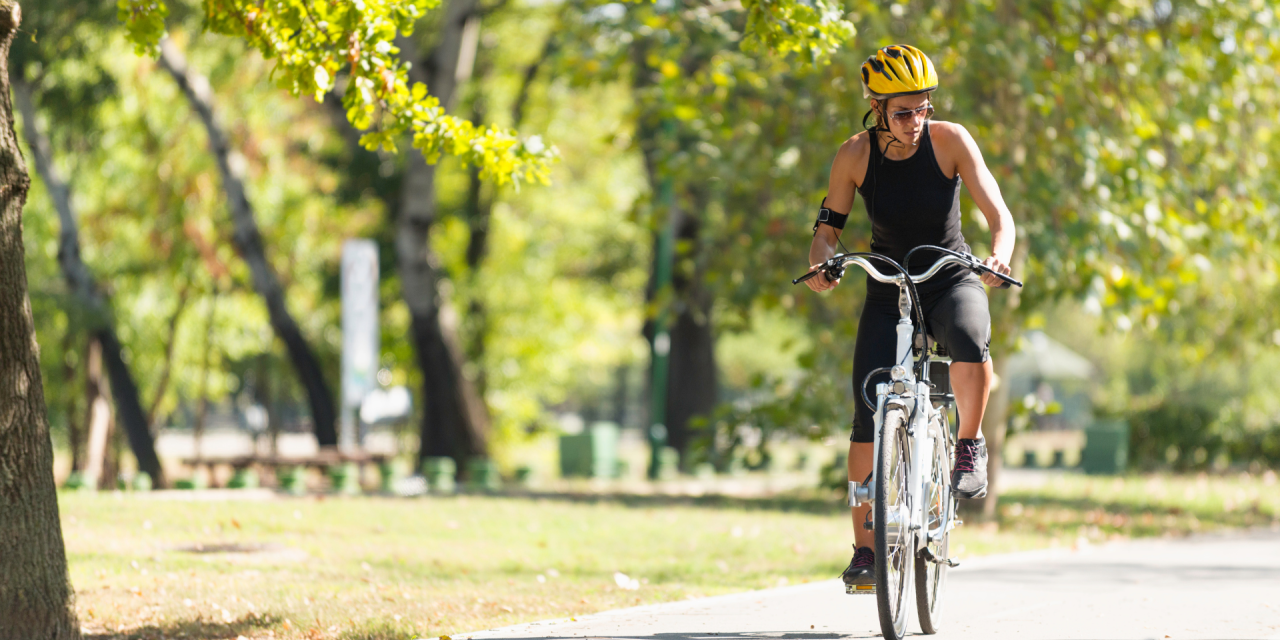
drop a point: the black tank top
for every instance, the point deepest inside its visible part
(911, 203)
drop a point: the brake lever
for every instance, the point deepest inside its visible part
(830, 268)
(979, 268)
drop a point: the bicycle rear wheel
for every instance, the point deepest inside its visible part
(895, 542)
(931, 577)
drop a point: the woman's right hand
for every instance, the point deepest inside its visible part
(820, 283)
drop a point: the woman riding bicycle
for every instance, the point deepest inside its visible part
(909, 170)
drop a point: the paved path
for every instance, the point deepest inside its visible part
(1221, 587)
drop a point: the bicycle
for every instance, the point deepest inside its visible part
(909, 486)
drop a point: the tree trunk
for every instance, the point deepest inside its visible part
(82, 285)
(691, 383)
(455, 420)
(75, 434)
(479, 217)
(248, 242)
(97, 414)
(35, 593)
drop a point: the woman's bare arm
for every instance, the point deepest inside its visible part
(840, 190)
(986, 194)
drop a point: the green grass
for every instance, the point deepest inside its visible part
(388, 568)
(1070, 506)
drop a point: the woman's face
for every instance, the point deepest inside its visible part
(911, 112)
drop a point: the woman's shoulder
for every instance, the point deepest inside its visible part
(948, 132)
(857, 146)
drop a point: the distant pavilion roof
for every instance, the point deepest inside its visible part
(1046, 358)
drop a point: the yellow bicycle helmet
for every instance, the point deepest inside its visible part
(898, 70)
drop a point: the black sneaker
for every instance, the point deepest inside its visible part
(862, 569)
(969, 478)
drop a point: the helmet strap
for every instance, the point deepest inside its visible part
(881, 119)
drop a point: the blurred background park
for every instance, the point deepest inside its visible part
(185, 235)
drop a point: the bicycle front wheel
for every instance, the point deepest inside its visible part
(939, 506)
(895, 542)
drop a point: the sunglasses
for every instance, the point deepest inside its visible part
(910, 114)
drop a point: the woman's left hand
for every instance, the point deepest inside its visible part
(999, 266)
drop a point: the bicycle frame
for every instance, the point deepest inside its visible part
(912, 395)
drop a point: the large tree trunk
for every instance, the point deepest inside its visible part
(75, 432)
(35, 593)
(479, 217)
(97, 414)
(455, 420)
(692, 390)
(85, 288)
(248, 242)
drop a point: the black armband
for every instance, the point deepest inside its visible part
(829, 217)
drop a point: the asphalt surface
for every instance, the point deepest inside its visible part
(1210, 587)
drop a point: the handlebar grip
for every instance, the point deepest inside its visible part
(806, 276)
(1007, 280)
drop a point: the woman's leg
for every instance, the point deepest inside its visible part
(859, 466)
(960, 320)
(971, 383)
(875, 348)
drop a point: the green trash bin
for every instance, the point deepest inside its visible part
(292, 480)
(77, 481)
(668, 463)
(592, 453)
(1106, 448)
(482, 474)
(440, 472)
(387, 475)
(345, 478)
(244, 479)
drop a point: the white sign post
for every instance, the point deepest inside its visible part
(360, 337)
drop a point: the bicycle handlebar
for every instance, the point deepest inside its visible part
(836, 265)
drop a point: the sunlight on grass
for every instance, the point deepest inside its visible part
(389, 568)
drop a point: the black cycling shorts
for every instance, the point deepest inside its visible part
(956, 316)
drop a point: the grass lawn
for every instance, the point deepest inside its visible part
(391, 568)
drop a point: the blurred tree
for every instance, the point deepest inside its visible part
(311, 44)
(86, 293)
(1093, 115)
(248, 241)
(35, 596)
(721, 127)
(80, 281)
(455, 420)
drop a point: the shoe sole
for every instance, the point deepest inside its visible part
(981, 493)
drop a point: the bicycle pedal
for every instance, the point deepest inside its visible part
(856, 589)
(952, 562)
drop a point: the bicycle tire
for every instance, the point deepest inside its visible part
(931, 577)
(895, 542)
